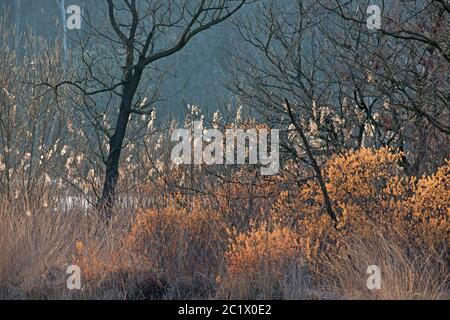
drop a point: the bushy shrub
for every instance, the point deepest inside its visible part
(182, 246)
(258, 263)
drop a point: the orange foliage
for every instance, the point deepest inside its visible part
(382, 213)
(177, 242)
(370, 195)
(255, 261)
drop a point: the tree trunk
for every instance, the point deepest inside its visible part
(316, 168)
(62, 9)
(107, 199)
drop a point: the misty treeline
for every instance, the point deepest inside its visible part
(89, 112)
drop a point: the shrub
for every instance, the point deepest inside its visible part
(385, 218)
(259, 262)
(183, 247)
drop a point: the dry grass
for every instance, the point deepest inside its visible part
(407, 272)
(35, 246)
(194, 247)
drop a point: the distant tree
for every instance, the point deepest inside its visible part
(62, 11)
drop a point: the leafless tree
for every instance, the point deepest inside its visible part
(403, 70)
(135, 36)
(348, 86)
(281, 73)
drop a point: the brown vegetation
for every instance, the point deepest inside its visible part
(193, 247)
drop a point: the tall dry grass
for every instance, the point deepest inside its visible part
(206, 246)
(407, 272)
(39, 241)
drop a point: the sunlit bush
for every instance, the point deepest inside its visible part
(258, 263)
(370, 194)
(386, 218)
(183, 246)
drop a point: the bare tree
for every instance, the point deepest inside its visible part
(319, 177)
(398, 73)
(282, 74)
(349, 87)
(138, 34)
(62, 11)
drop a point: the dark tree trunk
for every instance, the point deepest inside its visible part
(107, 199)
(112, 163)
(314, 164)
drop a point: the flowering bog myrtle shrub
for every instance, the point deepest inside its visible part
(182, 246)
(429, 208)
(371, 195)
(256, 262)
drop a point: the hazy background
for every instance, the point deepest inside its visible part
(195, 75)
